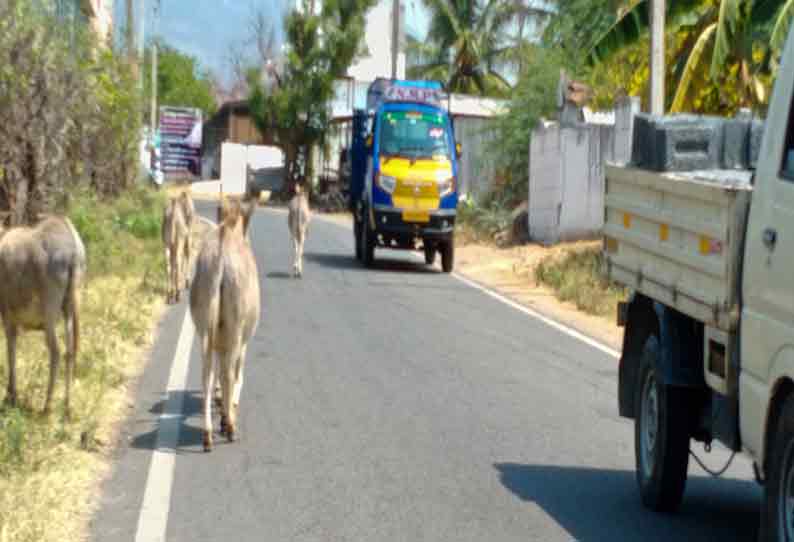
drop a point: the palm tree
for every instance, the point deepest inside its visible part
(466, 45)
(720, 37)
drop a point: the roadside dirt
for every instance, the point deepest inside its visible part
(510, 271)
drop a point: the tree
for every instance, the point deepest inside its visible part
(292, 102)
(74, 116)
(180, 81)
(718, 45)
(466, 45)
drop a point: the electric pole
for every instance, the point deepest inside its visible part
(395, 37)
(657, 14)
(130, 38)
(153, 113)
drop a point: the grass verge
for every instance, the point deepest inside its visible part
(575, 276)
(49, 468)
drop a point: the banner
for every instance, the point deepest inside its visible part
(180, 140)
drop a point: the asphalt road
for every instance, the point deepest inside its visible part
(400, 404)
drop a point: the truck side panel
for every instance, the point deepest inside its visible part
(675, 238)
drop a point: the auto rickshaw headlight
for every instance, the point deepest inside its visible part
(387, 183)
(446, 186)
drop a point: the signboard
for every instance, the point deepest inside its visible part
(414, 94)
(180, 140)
(385, 90)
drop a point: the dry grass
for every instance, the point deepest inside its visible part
(49, 469)
(575, 275)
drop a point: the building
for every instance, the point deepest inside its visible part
(97, 14)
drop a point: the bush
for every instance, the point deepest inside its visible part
(75, 112)
(575, 276)
(534, 96)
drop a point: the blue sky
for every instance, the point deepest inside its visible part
(204, 28)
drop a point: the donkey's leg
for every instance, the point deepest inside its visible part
(71, 350)
(55, 358)
(11, 348)
(208, 367)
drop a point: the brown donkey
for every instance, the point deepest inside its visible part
(176, 233)
(224, 305)
(41, 270)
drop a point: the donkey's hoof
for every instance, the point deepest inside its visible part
(207, 441)
(231, 433)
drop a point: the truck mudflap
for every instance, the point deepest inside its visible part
(679, 363)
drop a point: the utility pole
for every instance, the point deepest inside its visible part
(395, 37)
(130, 38)
(657, 14)
(153, 113)
(141, 39)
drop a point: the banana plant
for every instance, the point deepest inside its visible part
(722, 39)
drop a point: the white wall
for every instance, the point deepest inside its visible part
(566, 174)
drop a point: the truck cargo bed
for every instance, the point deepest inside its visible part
(677, 238)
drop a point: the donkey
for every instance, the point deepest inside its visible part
(41, 272)
(176, 232)
(224, 305)
(298, 222)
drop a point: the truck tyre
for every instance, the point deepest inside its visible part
(430, 254)
(367, 243)
(777, 517)
(661, 435)
(357, 236)
(448, 256)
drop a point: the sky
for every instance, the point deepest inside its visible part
(204, 29)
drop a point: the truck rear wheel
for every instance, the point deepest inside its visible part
(367, 243)
(661, 435)
(448, 256)
(357, 239)
(778, 511)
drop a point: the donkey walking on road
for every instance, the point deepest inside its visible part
(177, 227)
(224, 305)
(298, 222)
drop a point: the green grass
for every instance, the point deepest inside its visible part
(575, 275)
(478, 222)
(48, 466)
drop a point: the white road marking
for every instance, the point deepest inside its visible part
(153, 520)
(546, 320)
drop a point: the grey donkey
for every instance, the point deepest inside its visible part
(41, 271)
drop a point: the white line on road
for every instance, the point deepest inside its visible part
(548, 321)
(153, 520)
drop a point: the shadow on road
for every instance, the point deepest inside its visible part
(348, 262)
(190, 436)
(595, 504)
(279, 275)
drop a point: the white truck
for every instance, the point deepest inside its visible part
(708, 350)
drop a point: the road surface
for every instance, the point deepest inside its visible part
(396, 404)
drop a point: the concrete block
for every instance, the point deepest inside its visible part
(756, 135)
(686, 143)
(677, 142)
(736, 138)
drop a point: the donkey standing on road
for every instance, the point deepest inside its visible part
(176, 232)
(41, 270)
(298, 221)
(224, 305)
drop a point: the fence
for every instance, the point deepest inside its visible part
(566, 172)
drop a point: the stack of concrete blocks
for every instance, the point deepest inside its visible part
(692, 143)
(566, 173)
